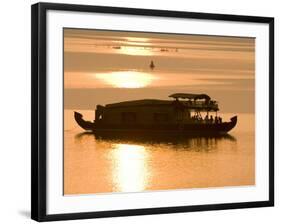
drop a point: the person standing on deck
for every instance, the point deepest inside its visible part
(211, 119)
(206, 119)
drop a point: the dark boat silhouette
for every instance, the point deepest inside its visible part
(148, 138)
(151, 116)
(152, 66)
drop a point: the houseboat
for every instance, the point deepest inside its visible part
(180, 115)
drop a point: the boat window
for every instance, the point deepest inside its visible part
(129, 117)
(160, 117)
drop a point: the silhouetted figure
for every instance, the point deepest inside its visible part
(152, 66)
(211, 119)
(220, 120)
(216, 120)
(206, 118)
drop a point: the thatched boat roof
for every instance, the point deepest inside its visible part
(163, 103)
(144, 102)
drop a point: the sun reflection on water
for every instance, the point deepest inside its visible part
(131, 172)
(126, 79)
(133, 50)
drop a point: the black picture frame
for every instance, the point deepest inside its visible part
(39, 122)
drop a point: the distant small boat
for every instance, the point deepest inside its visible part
(116, 47)
(148, 116)
(152, 66)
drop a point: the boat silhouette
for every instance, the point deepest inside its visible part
(152, 66)
(153, 117)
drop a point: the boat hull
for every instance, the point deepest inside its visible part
(170, 129)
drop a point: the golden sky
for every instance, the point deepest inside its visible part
(95, 60)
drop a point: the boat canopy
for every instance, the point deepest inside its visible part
(190, 96)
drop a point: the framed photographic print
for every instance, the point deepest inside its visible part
(138, 111)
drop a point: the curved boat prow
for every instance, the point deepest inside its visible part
(86, 125)
(232, 123)
(234, 120)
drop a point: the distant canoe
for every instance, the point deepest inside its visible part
(152, 66)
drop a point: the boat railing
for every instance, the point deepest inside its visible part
(201, 104)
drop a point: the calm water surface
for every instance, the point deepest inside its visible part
(95, 165)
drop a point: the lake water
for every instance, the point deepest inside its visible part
(94, 165)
